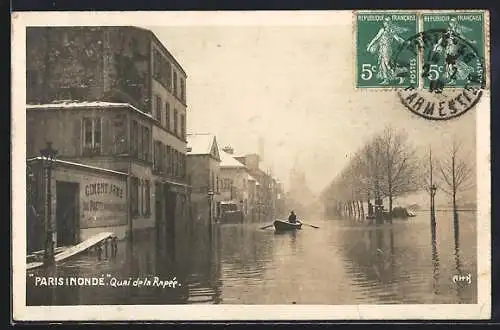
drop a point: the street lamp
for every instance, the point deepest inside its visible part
(210, 199)
(433, 194)
(48, 156)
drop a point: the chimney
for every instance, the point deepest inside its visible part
(229, 150)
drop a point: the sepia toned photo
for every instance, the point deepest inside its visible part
(251, 165)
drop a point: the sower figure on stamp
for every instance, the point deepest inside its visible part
(382, 45)
(448, 44)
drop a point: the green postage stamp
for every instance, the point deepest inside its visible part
(379, 36)
(429, 50)
(455, 58)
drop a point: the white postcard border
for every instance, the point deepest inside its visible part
(21, 312)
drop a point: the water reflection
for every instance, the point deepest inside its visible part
(340, 263)
(204, 277)
(435, 264)
(459, 285)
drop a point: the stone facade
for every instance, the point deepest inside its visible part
(100, 95)
(204, 177)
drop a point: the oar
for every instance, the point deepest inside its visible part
(267, 226)
(310, 225)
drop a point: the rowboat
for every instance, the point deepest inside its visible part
(282, 225)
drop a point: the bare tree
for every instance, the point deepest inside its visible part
(385, 166)
(456, 175)
(399, 165)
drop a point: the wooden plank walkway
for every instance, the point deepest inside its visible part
(74, 250)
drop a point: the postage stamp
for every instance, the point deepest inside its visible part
(286, 165)
(378, 36)
(455, 53)
(452, 57)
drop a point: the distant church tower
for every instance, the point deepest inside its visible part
(261, 147)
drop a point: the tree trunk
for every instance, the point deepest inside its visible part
(390, 207)
(454, 194)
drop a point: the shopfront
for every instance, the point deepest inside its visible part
(84, 201)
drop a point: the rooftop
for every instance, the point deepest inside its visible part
(228, 160)
(200, 143)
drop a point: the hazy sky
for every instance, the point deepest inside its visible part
(295, 87)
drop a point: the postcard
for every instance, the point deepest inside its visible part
(305, 165)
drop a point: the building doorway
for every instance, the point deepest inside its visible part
(67, 213)
(170, 212)
(158, 216)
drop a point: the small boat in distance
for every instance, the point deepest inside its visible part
(284, 225)
(410, 213)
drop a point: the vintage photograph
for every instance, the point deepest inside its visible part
(327, 165)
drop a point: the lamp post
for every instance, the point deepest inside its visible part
(30, 208)
(48, 156)
(210, 199)
(433, 210)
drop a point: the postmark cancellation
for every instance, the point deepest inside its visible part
(435, 61)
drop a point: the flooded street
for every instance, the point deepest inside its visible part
(342, 262)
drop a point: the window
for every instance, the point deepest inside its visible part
(148, 157)
(92, 136)
(175, 83)
(141, 196)
(165, 158)
(119, 134)
(175, 122)
(217, 184)
(167, 116)
(146, 144)
(212, 185)
(169, 76)
(183, 90)
(158, 157)
(157, 65)
(134, 135)
(179, 160)
(147, 198)
(227, 184)
(134, 196)
(140, 138)
(162, 70)
(179, 163)
(158, 108)
(169, 155)
(183, 127)
(175, 163)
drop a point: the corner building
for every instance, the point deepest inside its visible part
(114, 98)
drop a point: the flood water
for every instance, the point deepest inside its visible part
(342, 262)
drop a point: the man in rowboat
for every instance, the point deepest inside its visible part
(292, 218)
